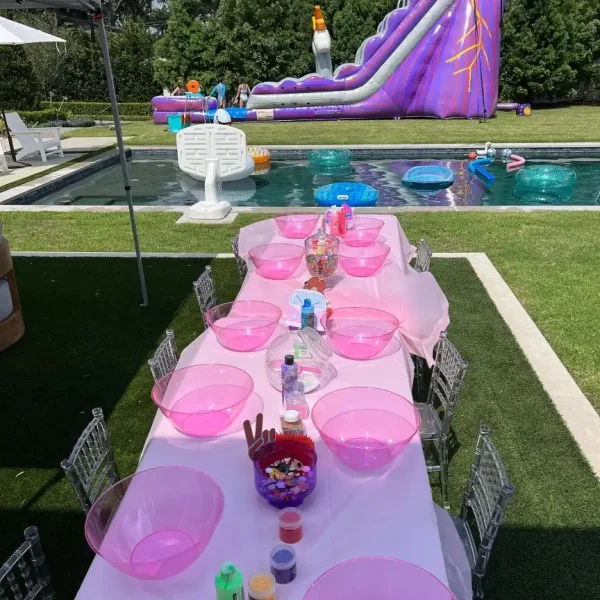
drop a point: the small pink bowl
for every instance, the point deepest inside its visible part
(203, 400)
(363, 261)
(360, 333)
(366, 231)
(366, 427)
(296, 226)
(276, 261)
(155, 523)
(244, 325)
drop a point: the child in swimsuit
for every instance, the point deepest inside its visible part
(243, 93)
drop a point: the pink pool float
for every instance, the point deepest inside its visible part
(155, 523)
(359, 333)
(244, 325)
(516, 162)
(203, 400)
(365, 232)
(276, 261)
(366, 427)
(363, 261)
(381, 578)
(296, 226)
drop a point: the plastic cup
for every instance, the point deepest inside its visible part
(363, 261)
(155, 523)
(283, 563)
(296, 226)
(359, 333)
(365, 427)
(244, 326)
(276, 261)
(290, 525)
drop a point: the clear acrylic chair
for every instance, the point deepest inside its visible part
(25, 575)
(206, 293)
(91, 468)
(166, 356)
(485, 503)
(239, 261)
(422, 257)
(447, 378)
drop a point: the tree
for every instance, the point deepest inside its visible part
(19, 89)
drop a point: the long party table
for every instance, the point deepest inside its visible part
(351, 514)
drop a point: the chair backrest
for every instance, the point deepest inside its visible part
(25, 574)
(165, 358)
(196, 144)
(486, 499)
(422, 257)
(447, 377)
(206, 293)
(91, 468)
(239, 261)
(14, 122)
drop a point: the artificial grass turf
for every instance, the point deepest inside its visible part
(549, 259)
(570, 124)
(86, 345)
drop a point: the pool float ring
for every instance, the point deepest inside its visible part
(193, 87)
(259, 155)
(545, 184)
(428, 177)
(329, 158)
(353, 194)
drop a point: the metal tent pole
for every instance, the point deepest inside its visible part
(115, 110)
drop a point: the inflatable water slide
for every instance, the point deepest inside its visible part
(429, 58)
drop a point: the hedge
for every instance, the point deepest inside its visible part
(36, 117)
(102, 109)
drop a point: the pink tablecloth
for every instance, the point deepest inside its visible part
(350, 514)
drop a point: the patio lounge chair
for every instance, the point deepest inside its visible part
(34, 140)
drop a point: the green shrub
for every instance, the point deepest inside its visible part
(97, 110)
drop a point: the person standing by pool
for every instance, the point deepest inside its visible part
(243, 93)
(220, 89)
(179, 90)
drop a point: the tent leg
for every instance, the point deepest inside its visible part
(115, 110)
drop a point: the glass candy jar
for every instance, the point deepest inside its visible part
(311, 353)
(322, 253)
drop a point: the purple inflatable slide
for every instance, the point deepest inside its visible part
(430, 58)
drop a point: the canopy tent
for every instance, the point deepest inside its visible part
(94, 7)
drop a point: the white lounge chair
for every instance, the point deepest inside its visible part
(45, 140)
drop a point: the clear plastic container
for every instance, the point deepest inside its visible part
(290, 525)
(261, 586)
(311, 353)
(322, 254)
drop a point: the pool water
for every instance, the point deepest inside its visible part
(159, 182)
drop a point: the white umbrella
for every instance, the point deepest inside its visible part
(13, 34)
(16, 34)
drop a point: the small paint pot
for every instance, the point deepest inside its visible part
(261, 586)
(290, 525)
(283, 563)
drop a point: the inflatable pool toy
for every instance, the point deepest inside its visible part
(516, 162)
(193, 87)
(545, 183)
(476, 168)
(329, 158)
(259, 155)
(353, 194)
(429, 177)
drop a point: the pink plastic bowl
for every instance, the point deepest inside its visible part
(381, 578)
(277, 261)
(155, 523)
(245, 325)
(296, 226)
(203, 400)
(359, 333)
(363, 261)
(366, 231)
(366, 427)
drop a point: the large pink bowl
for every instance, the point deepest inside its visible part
(360, 333)
(244, 325)
(363, 261)
(381, 578)
(155, 523)
(203, 400)
(296, 226)
(276, 261)
(366, 427)
(366, 231)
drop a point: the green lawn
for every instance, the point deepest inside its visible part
(572, 124)
(86, 345)
(550, 260)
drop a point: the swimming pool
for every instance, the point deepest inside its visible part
(292, 183)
